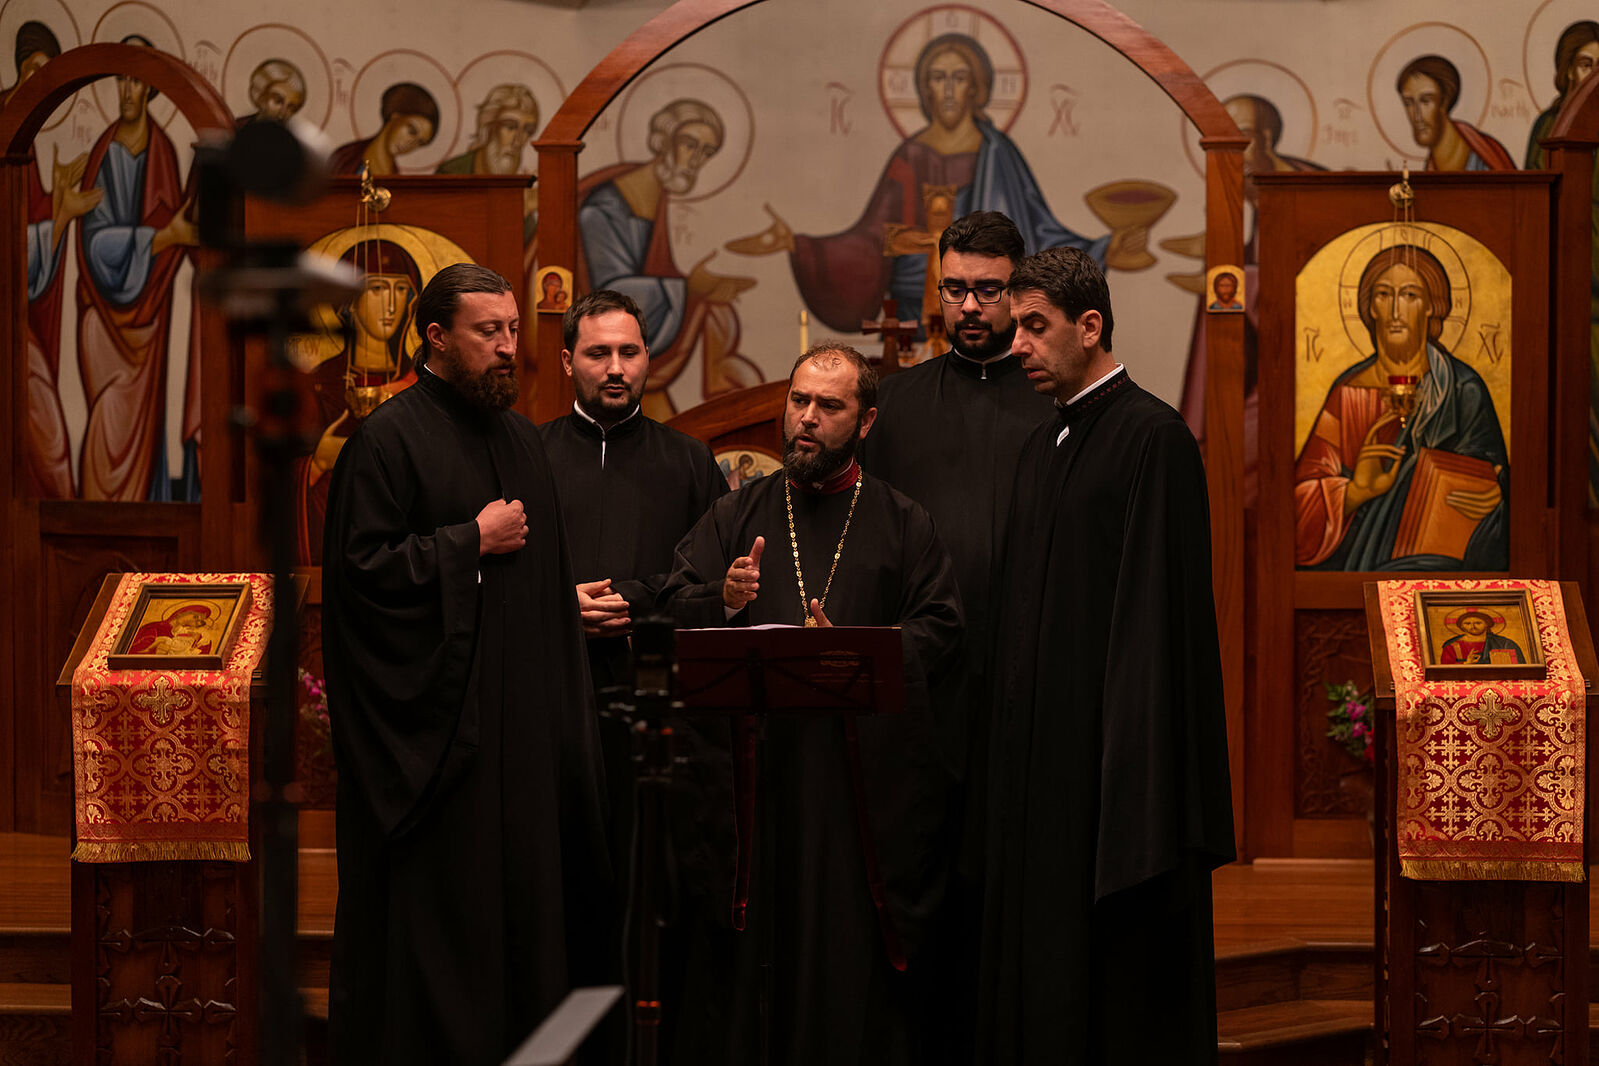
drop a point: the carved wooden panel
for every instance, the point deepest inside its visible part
(1489, 972)
(166, 963)
(1329, 646)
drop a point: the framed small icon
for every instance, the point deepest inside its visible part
(181, 627)
(1475, 635)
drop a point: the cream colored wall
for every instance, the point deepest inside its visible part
(820, 135)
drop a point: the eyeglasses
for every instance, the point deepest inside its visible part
(953, 292)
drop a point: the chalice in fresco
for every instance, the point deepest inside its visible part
(1404, 390)
(1129, 208)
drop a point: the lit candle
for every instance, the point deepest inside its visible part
(805, 332)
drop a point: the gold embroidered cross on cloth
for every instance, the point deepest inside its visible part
(1490, 778)
(161, 756)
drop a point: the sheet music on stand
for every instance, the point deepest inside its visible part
(791, 670)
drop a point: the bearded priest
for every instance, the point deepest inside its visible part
(845, 870)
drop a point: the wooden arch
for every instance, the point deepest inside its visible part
(34, 100)
(1570, 147)
(53, 553)
(25, 113)
(1223, 144)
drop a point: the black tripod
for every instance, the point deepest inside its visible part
(650, 891)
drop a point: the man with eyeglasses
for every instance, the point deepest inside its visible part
(948, 435)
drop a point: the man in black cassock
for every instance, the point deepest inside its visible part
(947, 434)
(629, 489)
(473, 880)
(1109, 802)
(805, 964)
(629, 486)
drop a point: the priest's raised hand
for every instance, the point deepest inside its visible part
(743, 579)
(819, 615)
(501, 527)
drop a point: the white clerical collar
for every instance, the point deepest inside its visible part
(577, 409)
(1117, 369)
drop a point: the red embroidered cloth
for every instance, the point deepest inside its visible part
(160, 758)
(1490, 775)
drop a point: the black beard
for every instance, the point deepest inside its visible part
(996, 344)
(808, 469)
(603, 409)
(488, 390)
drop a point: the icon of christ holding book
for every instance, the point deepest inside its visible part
(1406, 466)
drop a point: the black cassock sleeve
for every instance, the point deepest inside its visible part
(648, 592)
(1164, 788)
(692, 594)
(401, 612)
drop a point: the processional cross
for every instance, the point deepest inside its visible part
(894, 334)
(938, 208)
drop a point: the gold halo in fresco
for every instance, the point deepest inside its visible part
(57, 16)
(277, 41)
(1544, 28)
(1426, 38)
(479, 77)
(1329, 337)
(659, 86)
(1286, 91)
(401, 65)
(896, 70)
(149, 22)
(431, 252)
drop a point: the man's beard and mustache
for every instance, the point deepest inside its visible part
(602, 407)
(808, 469)
(991, 345)
(674, 179)
(487, 389)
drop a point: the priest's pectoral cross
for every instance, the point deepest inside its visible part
(894, 334)
(938, 208)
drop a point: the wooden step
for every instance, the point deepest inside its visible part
(35, 1024)
(1306, 1032)
(1286, 968)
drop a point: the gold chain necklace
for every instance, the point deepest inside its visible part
(793, 543)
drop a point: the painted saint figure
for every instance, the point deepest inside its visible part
(186, 631)
(742, 474)
(1576, 54)
(507, 119)
(1225, 289)
(130, 247)
(373, 366)
(1354, 479)
(842, 277)
(47, 451)
(1259, 120)
(277, 92)
(1477, 643)
(624, 221)
(1430, 88)
(410, 121)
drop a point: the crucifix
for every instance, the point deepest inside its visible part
(938, 209)
(894, 334)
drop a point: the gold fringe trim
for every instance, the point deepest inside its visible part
(1490, 870)
(161, 851)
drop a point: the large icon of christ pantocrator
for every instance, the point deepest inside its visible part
(1403, 461)
(842, 277)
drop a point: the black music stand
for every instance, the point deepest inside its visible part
(750, 673)
(791, 670)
